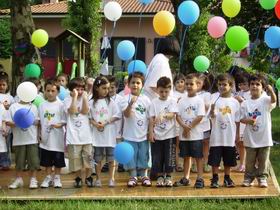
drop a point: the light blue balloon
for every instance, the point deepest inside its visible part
(188, 12)
(62, 93)
(272, 37)
(123, 153)
(126, 50)
(146, 1)
(137, 66)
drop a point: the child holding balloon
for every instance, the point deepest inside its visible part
(103, 113)
(52, 121)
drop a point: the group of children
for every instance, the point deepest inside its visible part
(191, 123)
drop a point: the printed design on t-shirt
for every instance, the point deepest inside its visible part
(49, 116)
(254, 116)
(140, 109)
(140, 123)
(163, 124)
(102, 113)
(191, 110)
(225, 110)
(24, 129)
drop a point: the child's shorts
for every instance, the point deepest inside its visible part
(141, 155)
(27, 154)
(217, 153)
(4, 160)
(100, 152)
(80, 156)
(191, 149)
(52, 158)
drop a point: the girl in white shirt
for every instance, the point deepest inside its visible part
(103, 113)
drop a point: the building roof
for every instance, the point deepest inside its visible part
(129, 7)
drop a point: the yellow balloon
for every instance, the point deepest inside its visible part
(231, 8)
(39, 38)
(164, 23)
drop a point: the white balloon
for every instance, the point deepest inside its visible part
(113, 11)
(27, 91)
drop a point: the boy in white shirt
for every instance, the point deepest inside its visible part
(78, 132)
(162, 132)
(255, 113)
(52, 120)
(224, 114)
(191, 111)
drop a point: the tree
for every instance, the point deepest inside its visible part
(84, 19)
(5, 38)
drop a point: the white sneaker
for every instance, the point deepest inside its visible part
(33, 183)
(47, 182)
(98, 183)
(17, 183)
(248, 182)
(112, 183)
(262, 183)
(57, 182)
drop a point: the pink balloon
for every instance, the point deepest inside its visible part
(217, 27)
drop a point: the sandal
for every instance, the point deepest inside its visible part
(146, 182)
(160, 181)
(168, 181)
(132, 182)
(183, 182)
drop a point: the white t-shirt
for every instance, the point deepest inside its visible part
(78, 131)
(119, 100)
(178, 95)
(206, 97)
(166, 129)
(3, 145)
(23, 136)
(50, 113)
(227, 112)
(135, 127)
(103, 112)
(259, 109)
(189, 109)
(245, 96)
(6, 97)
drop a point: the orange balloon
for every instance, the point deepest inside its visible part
(164, 23)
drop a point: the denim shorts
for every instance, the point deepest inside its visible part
(101, 152)
(192, 149)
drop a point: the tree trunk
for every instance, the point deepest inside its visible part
(24, 52)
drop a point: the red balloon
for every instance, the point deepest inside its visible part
(277, 9)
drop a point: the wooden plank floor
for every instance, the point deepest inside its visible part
(122, 192)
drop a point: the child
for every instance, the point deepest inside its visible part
(89, 85)
(162, 132)
(136, 128)
(25, 145)
(3, 143)
(257, 135)
(179, 92)
(242, 95)
(78, 134)
(104, 112)
(224, 114)
(191, 111)
(52, 120)
(62, 79)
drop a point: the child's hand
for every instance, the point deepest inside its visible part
(269, 89)
(85, 95)
(4, 133)
(239, 99)
(133, 100)
(186, 133)
(74, 93)
(151, 137)
(100, 126)
(159, 119)
(56, 125)
(6, 105)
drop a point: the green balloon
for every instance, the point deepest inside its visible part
(32, 70)
(38, 100)
(237, 38)
(201, 63)
(278, 84)
(268, 4)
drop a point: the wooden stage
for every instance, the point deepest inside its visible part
(121, 191)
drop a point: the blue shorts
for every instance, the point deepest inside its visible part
(141, 155)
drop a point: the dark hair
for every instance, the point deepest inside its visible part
(112, 79)
(99, 81)
(137, 75)
(76, 82)
(5, 78)
(206, 83)
(191, 76)
(66, 76)
(258, 77)
(52, 82)
(226, 77)
(168, 46)
(178, 76)
(164, 82)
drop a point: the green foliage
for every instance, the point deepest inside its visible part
(5, 38)
(121, 74)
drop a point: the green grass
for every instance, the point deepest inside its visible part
(166, 204)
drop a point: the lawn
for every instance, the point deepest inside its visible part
(167, 204)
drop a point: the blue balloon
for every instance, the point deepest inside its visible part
(62, 93)
(188, 12)
(146, 1)
(126, 50)
(123, 153)
(272, 37)
(137, 66)
(24, 118)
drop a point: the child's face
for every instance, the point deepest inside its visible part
(80, 91)
(51, 92)
(3, 86)
(112, 89)
(135, 86)
(256, 88)
(224, 87)
(180, 85)
(243, 86)
(199, 84)
(62, 81)
(191, 85)
(163, 92)
(89, 84)
(103, 90)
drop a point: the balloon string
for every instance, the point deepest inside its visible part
(182, 46)
(109, 40)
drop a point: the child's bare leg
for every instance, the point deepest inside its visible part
(33, 173)
(205, 150)
(79, 173)
(112, 170)
(48, 171)
(98, 170)
(242, 153)
(227, 170)
(187, 167)
(215, 170)
(199, 163)
(57, 171)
